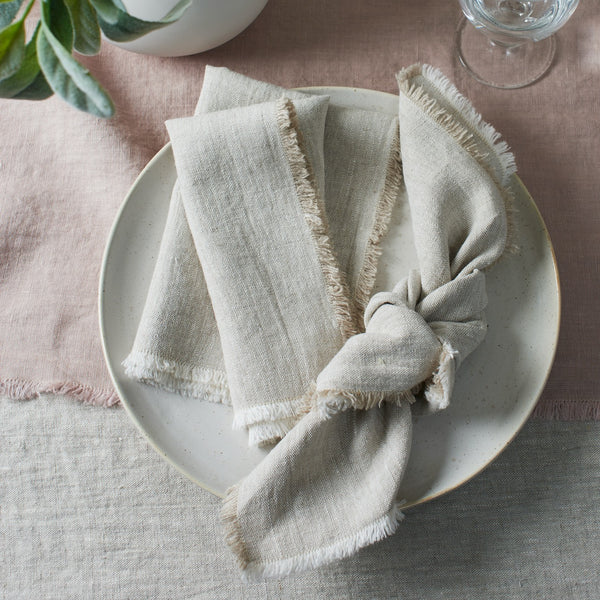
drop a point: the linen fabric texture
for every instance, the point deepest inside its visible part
(287, 277)
(178, 346)
(128, 523)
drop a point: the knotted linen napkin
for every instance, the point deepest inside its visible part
(178, 346)
(331, 484)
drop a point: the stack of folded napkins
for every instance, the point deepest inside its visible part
(261, 295)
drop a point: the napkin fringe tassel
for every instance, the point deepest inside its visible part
(463, 133)
(231, 524)
(331, 402)
(19, 389)
(438, 390)
(188, 380)
(383, 215)
(252, 570)
(314, 215)
(268, 423)
(463, 129)
(270, 432)
(566, 410)
(276, 411)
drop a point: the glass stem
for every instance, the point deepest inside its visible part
(507, 47)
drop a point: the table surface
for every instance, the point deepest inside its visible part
(88, 510)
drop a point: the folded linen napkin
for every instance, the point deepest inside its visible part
(330, 486)
(258, 224)
(340, 470)
(178, 346)
(456, 175)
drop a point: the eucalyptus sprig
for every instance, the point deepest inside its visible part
(45, 65)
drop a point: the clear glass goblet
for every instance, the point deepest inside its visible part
(511, 44)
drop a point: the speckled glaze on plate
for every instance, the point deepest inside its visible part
(496, 389)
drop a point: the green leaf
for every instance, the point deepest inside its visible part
(28, 83)
(8, 11)
(85, 26)
(69, 79)
(12, 49)
(38, 90)
(57, 20)
(26, 74)
(118, 25)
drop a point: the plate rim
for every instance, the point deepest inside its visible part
(140, 426)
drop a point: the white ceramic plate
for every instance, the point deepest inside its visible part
(497, 386)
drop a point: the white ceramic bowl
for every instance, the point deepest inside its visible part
(205, 25)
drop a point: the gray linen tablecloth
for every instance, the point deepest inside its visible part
(89, 510)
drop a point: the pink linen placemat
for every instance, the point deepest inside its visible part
(63, 174)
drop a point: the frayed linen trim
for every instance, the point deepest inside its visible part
(188, 380)
(331, 402)
(467, 112)
(268, 433)
(276, 411)
(568, 410)
(19, 389)
(439, 389)
(383, 214)
(231, 524)
(256, 570)
(465, 133)
(314, 214)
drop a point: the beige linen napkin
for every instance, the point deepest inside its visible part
(258, 224)
(456, 175)
(331, 485)
(357, 171)
(249, 187)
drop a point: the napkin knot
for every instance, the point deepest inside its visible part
(406, 293)
(411, 346)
